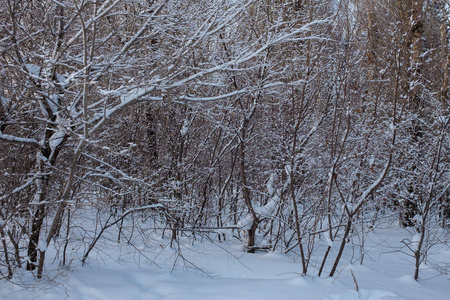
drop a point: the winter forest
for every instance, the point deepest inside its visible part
(291, 128)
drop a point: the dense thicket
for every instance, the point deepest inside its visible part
(282, 122)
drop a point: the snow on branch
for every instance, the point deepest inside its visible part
(16, 139)
(22, 187)
(129, 99)
(213, 98)
(373, 186)
(135, 209)
(102, 11)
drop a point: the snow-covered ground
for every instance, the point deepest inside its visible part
(225, 271)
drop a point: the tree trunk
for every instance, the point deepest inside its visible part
(246, 190)
(341, 248)
(33, 243)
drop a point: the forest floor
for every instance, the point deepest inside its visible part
(208, 270)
